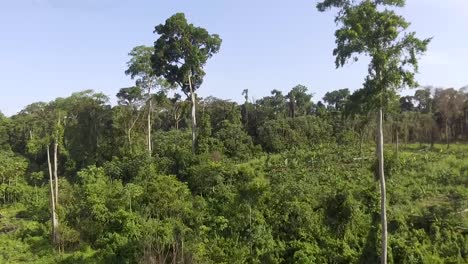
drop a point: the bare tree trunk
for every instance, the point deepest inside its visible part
(149, 122)
(194, 118)
(177, 119)
(55, 172)
(129, 138)
(182, 251)
(383, 198)
(52, 201)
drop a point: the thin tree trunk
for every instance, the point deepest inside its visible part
(383, 198)
(129, 138)
(177, 119)
(406, 132)
(182, 251)
(52, 201)
(397, 144)
(246, 114)
(447, 133)
(55, 172)
(129, 133)
(432, 135)
(194, 119)
(149, 122)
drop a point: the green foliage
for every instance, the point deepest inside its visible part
(283, 134)
(13, 187)
(3, 132)
(336, 100)
(181, 51)
(275, 180)
(380, 34)
(237, 144)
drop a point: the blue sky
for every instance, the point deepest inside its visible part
(51, 48)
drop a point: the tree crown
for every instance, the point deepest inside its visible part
(182, 50)
(369, 28)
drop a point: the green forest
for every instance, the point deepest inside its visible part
(166, 176)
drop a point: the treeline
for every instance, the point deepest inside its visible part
(88, 130)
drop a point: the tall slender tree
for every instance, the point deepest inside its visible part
(245, 93)
(130, 101)
(372, 28)
(181, 51)
(140, 68)
(48, 132)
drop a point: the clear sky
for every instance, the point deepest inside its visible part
(51, 48)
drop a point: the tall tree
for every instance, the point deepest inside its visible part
(181, 51)
(128, 112)
(372, 28)
(140, 68)
(48, 132)
(245, 93)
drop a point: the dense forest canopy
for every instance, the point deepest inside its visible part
(288, 178)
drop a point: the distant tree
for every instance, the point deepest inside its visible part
(128, 112)
(87, 128)
(358, 108)
(130, 96)
(425, 107)
(220, 110)
(245, 93)
(406, 104)
(450, 104)
(273, 106)
(336, 100)
(368, 27)
(181, 52)
(178, 109)
(299, 101)
(140, 68)
(319, 109)
(424, 100)
(278, 102)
